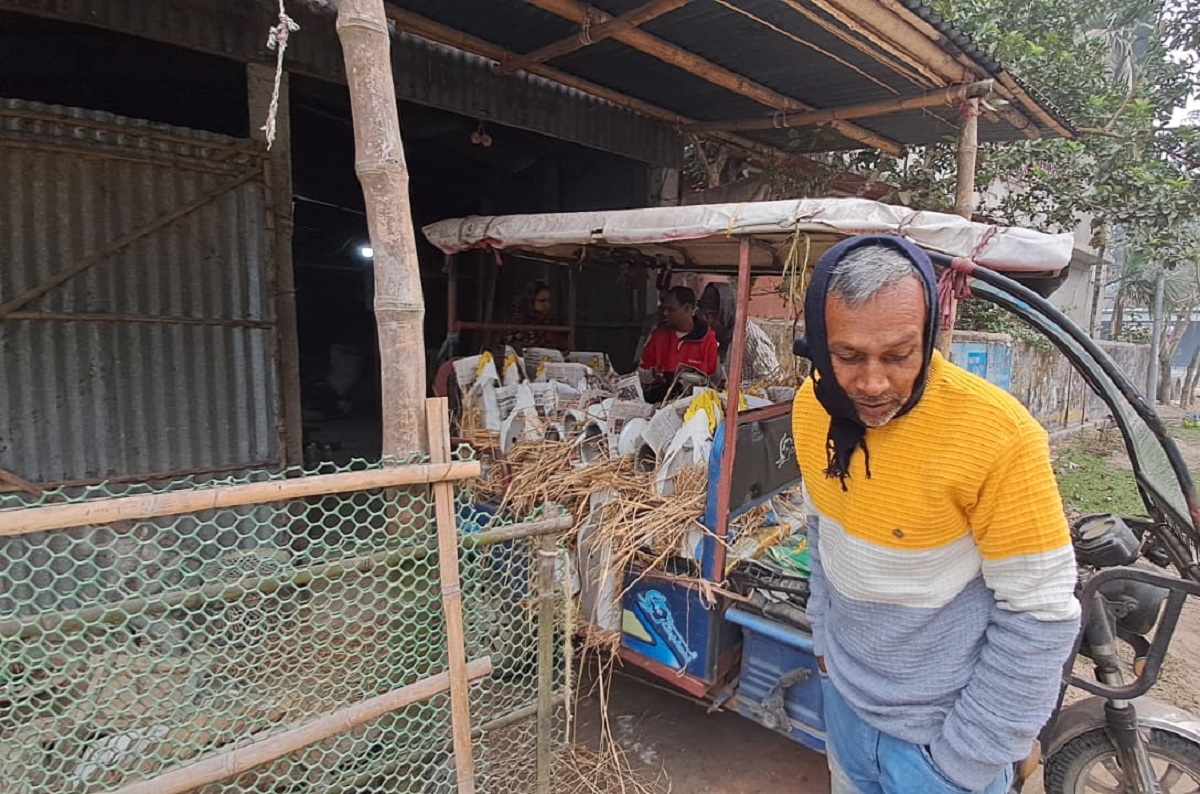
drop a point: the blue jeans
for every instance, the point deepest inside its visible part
(863, 760)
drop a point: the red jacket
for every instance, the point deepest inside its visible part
(667, 351)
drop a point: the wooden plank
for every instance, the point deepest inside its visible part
(24, 520)
(635, 18)
(437, 416)
(265, 747)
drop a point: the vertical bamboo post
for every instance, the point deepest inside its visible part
(383, 173)
(438, 423)
(545, 659)
(964, 193)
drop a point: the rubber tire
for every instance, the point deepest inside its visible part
(1063, 769)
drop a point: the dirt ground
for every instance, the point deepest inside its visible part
(724, 753)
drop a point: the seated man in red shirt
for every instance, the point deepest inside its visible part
(684, 341)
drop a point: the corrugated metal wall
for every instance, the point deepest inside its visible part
(171, 367)
(425, 72)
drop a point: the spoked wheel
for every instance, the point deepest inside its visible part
(1088, 765)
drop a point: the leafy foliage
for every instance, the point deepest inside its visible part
(1118, 69)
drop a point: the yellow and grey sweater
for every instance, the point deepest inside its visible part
(943, 585)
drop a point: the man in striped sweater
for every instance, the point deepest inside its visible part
(943, 578)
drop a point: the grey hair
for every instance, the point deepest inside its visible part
(868, 271)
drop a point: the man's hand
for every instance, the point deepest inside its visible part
(821, 664)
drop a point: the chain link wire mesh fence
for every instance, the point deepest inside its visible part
(132, 648)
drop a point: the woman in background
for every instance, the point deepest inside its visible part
(718, 308)
(534, 307)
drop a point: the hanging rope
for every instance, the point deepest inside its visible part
(277, 40)
(953, 285)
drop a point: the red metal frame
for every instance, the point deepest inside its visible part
(688, 683)
(736, 356)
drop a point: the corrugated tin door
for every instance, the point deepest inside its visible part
(137, 332)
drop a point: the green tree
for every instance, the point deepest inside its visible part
(1117, 69)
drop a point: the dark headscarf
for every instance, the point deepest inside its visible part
(846, 432)
(720, 298)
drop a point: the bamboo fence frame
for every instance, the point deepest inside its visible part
(264, 748)
(437, 416)
(26, 520)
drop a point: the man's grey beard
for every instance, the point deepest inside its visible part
(885, 420)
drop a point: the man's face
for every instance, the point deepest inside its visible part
(676, 315)
(877, 349)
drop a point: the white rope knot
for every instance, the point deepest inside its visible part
(277, 40)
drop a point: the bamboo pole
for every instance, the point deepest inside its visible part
(530, 529)
(943, 96)
(707, 70)
(595, 34)
(24, 520)
(264, 747)
(889, 21)
(443, 34)
(383, 173)
(964, 193)
(547, 554)
(437, 416)
(968, 153)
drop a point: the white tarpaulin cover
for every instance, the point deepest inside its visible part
(998, 247)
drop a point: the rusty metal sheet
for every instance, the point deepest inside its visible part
(425, 72)
(171, 366)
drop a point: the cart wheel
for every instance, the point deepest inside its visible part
(1088, 765)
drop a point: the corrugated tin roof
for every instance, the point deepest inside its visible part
(800, 49)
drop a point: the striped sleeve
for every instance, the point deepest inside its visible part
(1030, 567)
(1022, 534)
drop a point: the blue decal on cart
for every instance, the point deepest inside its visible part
(655, 634)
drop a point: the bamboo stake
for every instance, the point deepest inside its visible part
(595, 34)
(263, 748)
(24, 520)
(547, 555)
(383, 173)
(944, 96)
(437, 416)
(124, 241)
(707, 70)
